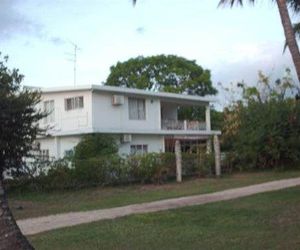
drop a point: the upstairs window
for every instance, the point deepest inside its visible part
(137, 109)
(74, 103)
(49, 109)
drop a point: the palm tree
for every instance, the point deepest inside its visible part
(286, 24)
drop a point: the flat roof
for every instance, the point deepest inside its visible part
(129, 91)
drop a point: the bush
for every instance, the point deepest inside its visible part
(152, 167)
(114, 170)
(95, 145)
(105, 170)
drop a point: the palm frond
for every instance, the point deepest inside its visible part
(233, 2)
(294, 5)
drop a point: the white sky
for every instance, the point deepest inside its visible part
(233, 43)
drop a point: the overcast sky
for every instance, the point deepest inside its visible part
(233, 43)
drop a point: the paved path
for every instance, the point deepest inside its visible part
(46, 223)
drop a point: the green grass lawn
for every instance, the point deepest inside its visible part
(38, 204)
(264, 221)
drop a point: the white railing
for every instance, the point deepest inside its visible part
(182, 125)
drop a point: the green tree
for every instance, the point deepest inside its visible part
(95, 145)
(286, 24)
(18, 130)
(262, 129)
(167, 73)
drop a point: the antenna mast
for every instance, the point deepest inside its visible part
(74, 59)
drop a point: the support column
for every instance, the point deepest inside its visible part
(57, 147)
(217, 155)
(178, 161)
(208, 146)
(207, 118)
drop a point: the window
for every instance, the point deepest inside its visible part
(69, 153)
(45, 154)
(136, 109)
(74, 103)
(138, 149)
(49, 109)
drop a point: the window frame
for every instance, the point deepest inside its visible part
(49, 107)
(136, 108)
(73, 103)
(138, 149)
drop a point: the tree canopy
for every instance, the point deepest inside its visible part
(18, 130)
(18, 118)
(167, 73)
(262, 128)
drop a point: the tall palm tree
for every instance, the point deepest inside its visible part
(286, 24)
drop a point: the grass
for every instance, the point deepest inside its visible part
(39, 204)
(264, 221)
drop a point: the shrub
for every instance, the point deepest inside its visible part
(95, 145)
(103, 170)
(114, 170)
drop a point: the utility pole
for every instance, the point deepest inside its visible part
(74, 59)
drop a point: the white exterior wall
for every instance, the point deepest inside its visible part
(99, 115)
(155, 143)
(107, 117)
(58, 145)
(66, 121)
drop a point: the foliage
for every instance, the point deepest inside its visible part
(152, 167)
(167, 73)
(262, 129)
(94, 145)
(18, 118)
(104, 170)
(115, 170)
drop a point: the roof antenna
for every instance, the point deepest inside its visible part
(74, 58)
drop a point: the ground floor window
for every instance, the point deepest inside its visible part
(194, 146)
(45, 154)
(138, 149)
(69, 153)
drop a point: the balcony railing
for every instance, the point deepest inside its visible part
(182, 125)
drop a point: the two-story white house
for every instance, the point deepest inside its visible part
(142, 121)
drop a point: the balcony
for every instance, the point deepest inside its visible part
(182, 125)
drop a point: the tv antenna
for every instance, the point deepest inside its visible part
(73, 58)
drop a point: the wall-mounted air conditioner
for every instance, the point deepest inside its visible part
(117, 100)
(126, 138)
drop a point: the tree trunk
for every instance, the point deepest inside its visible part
(10, 234)
(289, 34)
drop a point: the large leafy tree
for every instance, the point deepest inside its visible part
(286, 24)
(262, 128)
(167, 73)
(18, 130)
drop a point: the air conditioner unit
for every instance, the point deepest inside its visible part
(117, 100)
(126, 138)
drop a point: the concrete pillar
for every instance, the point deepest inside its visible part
(207, 118)
(208, 146)
(178, 161)
(57, 147)
(217, 155)
(185, 124)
